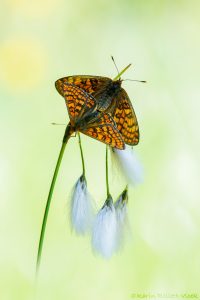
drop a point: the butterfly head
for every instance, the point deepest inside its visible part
(118, 82)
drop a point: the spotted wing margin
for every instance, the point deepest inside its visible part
(125, 119)
(88, 83)
(78, 102)
(105, 130)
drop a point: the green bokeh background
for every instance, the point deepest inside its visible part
(44, 40)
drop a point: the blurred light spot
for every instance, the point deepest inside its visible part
(22, 63)
(34, 8)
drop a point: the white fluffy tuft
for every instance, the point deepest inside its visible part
(105, 230)
(127, 161)
(121, 216)
(81, 207)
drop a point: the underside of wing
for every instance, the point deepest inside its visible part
(105, 130)
(88, 83)
(125, 119)
(78, 102)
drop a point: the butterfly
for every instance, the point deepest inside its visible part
(84, 116)
(111, 98)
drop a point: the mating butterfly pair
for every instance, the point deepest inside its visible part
(100, 108)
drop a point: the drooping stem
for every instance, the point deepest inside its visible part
(81, 150)
(120, 74)
(107, 179)
(67, 135)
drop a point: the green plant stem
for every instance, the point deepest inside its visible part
(81, 150)
(67, 135)
(107, 179)
(119, 75)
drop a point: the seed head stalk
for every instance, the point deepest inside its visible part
(81, 151)
(107, 176)
(67, 135)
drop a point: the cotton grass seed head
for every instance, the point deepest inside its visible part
(105, 230)
(128, 164)
(81, 213)
(121, 216)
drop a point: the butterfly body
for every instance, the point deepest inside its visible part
(106, 96)
(86, 120)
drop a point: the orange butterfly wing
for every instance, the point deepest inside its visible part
(78, 102)
(77, 91)
(88, 83)
(125, 119)
(104, 130)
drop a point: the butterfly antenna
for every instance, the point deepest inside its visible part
(115, 64)
(143, 81)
